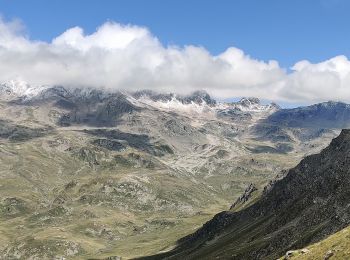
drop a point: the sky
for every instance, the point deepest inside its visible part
(291, 51)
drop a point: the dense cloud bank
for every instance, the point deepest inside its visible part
(128, 57)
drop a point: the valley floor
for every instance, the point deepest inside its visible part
(80, 203)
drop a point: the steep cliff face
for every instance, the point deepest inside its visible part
(310, 203)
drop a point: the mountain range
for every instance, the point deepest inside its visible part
(92, 173)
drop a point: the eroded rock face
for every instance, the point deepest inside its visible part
(247, 194)
(309, 203)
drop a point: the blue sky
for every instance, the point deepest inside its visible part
(287, 31)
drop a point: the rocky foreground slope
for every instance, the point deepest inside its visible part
(311, 202)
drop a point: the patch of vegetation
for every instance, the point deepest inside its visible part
(12, 207)
(112, 141)
(336, 246)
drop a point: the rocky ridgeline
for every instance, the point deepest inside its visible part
(247, 194)
(323, 115)
(197, 97)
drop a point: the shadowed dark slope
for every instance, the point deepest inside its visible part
(310, 203)
(17, 133)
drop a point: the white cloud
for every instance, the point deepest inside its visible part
(110, 36)
(129, 57)
(327, 80)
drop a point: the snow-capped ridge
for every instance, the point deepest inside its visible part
(248, 101)
(20, 88)
(198, 97)
(196, 103)
(252, 104)
(177, 105)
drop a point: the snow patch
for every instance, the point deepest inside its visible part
(175, 105)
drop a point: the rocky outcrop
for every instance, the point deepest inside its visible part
(12, 207)
(109, 144)
(247, 194)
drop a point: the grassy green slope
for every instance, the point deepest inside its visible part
(336, 246)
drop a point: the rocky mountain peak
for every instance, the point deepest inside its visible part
(199, 97)
(152, 95)
(20, 88)
(275, 105)
(249, 101)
